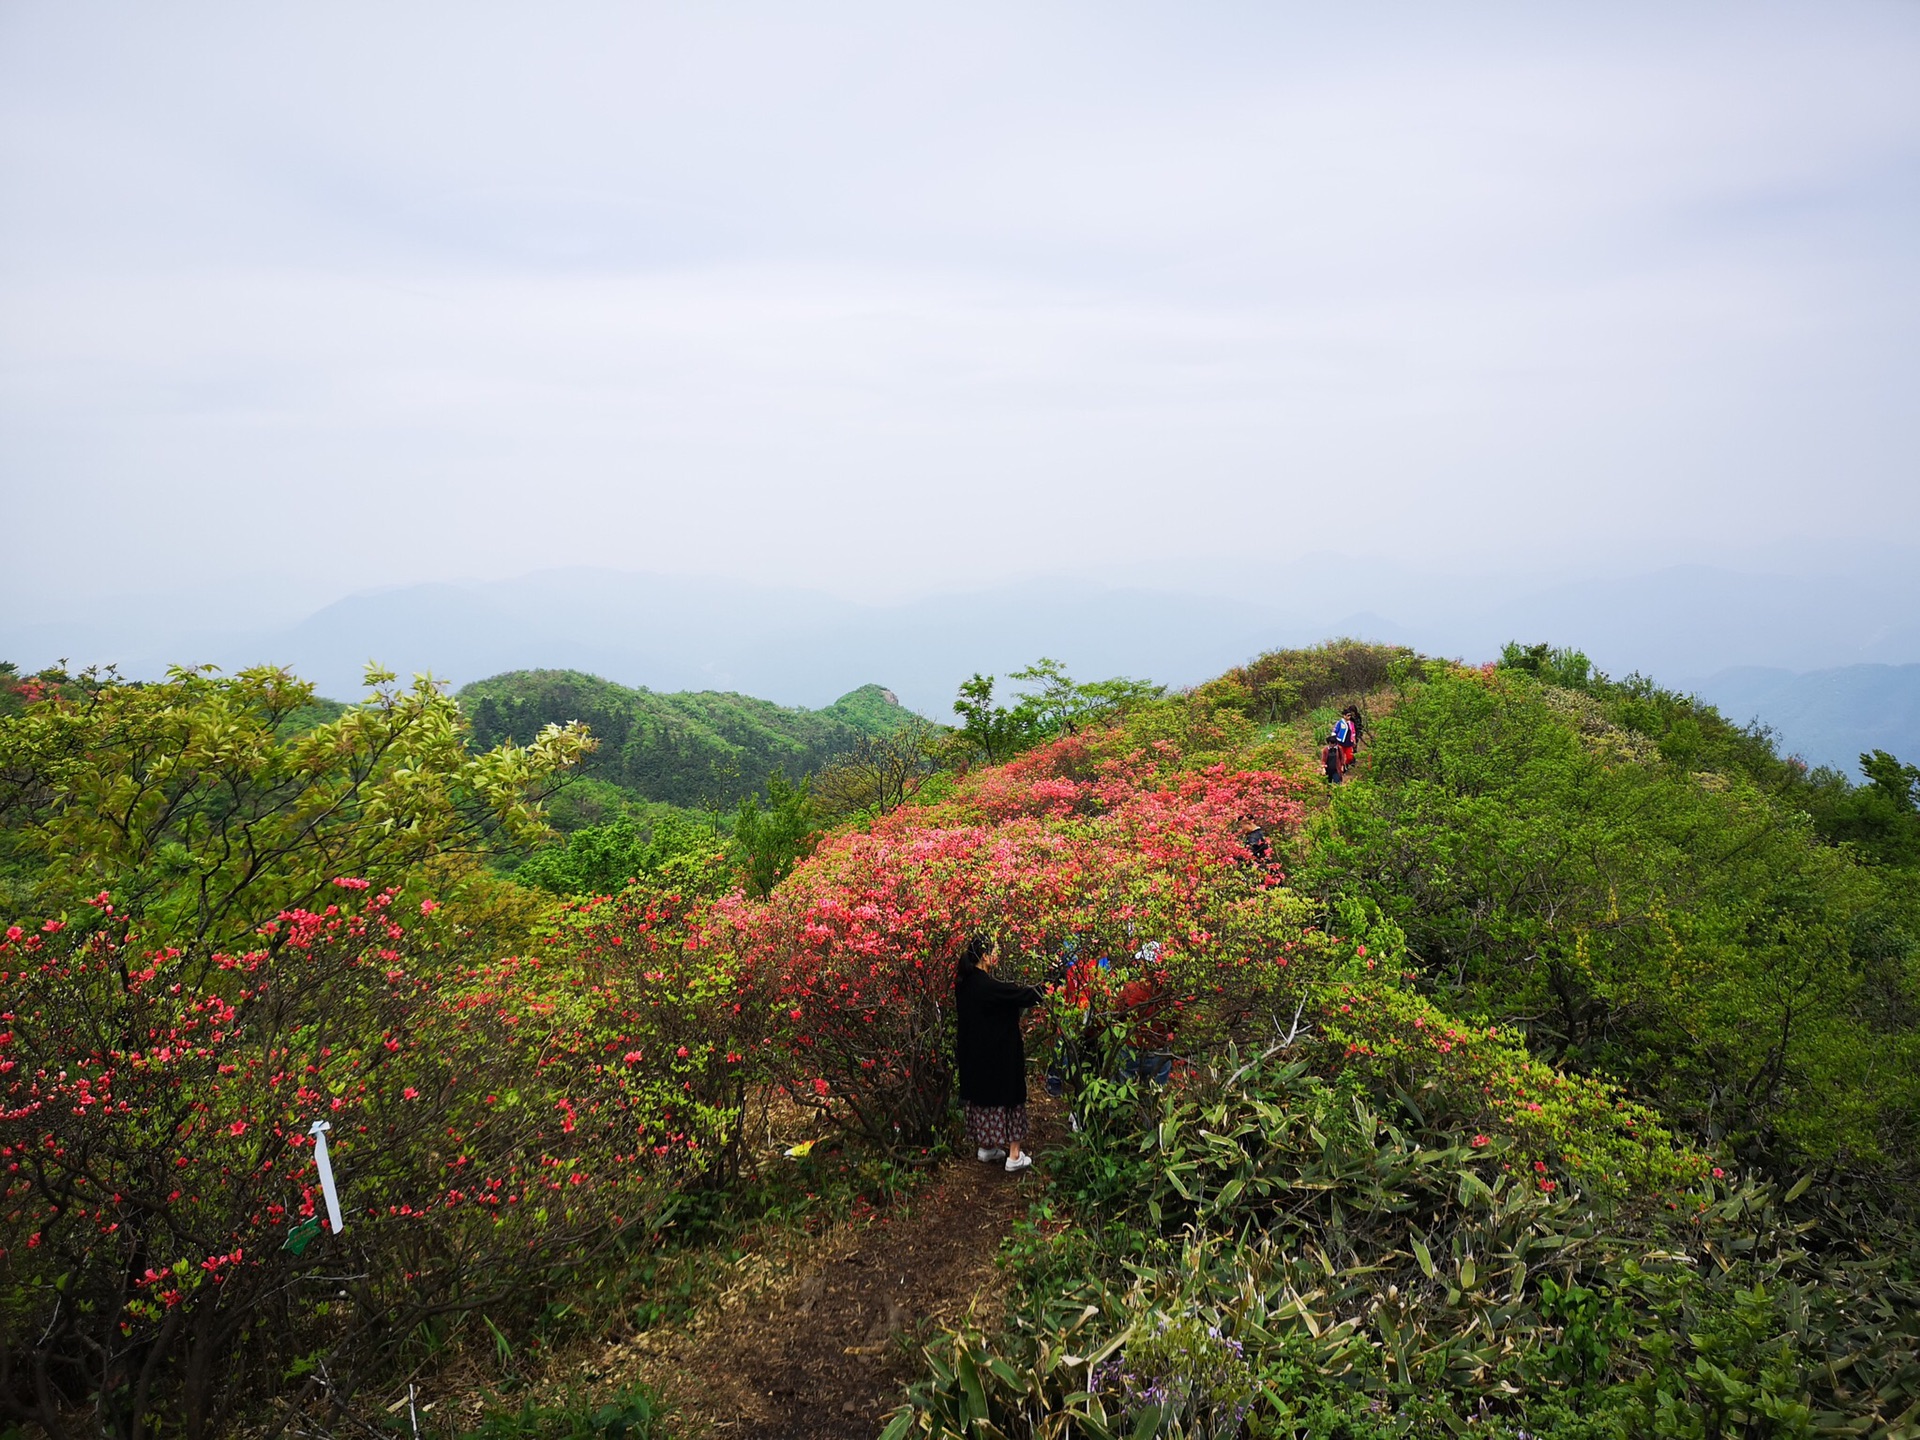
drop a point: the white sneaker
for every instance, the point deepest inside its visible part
(986, 1154)
(1019, 1163)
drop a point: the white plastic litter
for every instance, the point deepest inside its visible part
(325, 1166)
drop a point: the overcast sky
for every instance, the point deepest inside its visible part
(883, 299)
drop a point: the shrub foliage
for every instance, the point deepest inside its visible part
(1491, 1095)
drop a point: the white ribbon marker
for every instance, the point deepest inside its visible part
(319, 1133)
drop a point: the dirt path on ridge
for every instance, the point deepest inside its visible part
(824, 1351)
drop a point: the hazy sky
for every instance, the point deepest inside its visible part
(874, 296)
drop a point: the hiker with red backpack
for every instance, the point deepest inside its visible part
(1331, 762)
(1346, 734)
(1148, 1007)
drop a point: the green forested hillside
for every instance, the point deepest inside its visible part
(700, 749)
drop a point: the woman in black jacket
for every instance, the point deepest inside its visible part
(991, 1059)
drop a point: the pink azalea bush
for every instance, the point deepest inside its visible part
(854, 954)
(837, 987)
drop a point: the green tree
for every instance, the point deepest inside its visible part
(1565, 667)
(604, 859)
(1879, 819)
(204, 814)
(987, 730)
(880, 773)
(1898, 784)
(769, 840)
(1053, 704)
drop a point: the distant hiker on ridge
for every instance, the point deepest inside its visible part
(1343, 737)
(1330, 759)
(990, 1056)
(1259, 848)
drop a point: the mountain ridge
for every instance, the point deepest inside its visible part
(1826, 717)
(807, 647)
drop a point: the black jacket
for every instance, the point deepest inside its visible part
(992, 1062)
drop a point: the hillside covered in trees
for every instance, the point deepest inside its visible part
(698, 750)
(1555, 1075)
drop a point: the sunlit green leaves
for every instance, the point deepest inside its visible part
(204, 814)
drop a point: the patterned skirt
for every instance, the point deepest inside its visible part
(996, 1126)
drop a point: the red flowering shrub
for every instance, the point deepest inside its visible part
(154, 1117)
(853, 956)
(679, 1031)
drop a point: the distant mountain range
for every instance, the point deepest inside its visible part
(796, 647)
(1827, 717)
(803, 647)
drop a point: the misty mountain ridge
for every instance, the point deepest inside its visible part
(1826, 717)
(1696, 625)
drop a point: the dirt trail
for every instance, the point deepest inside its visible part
(823, 1351)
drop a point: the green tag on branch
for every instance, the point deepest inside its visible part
(302, 1235)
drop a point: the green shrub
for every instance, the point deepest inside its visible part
(1369, 1274)
(1684, 933)
(676, 849)
(1283, 683)
(204, 816)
